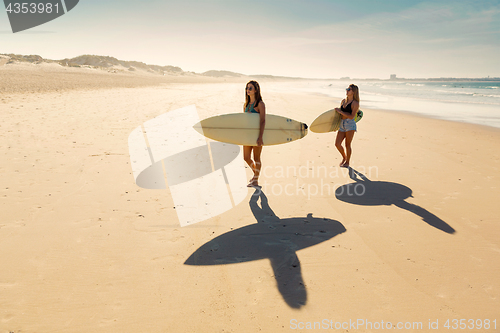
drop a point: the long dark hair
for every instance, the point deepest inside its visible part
(258, 97)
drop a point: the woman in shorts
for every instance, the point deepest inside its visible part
(348, 109)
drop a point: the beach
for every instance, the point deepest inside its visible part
(84, 249)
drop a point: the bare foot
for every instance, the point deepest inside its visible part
(345, 165)
(342, 163)
(253, 182)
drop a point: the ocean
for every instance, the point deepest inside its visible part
(476, 102)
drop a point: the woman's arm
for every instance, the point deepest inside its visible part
(354, 108)
(262, 124)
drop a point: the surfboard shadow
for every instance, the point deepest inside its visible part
(372, 193)
(270, 238)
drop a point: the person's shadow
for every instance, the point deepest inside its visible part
(370, 193)
(270, 238)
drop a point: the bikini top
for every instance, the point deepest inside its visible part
(347, 108)
(250, 108)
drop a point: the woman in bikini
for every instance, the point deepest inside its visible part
(348, 109)
(254, 104)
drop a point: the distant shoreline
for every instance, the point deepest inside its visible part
(442, 79)
(107, 62)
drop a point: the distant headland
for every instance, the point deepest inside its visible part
(114, 65)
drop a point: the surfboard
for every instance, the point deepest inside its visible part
(243, 129)
(329, 121)
(359, 115)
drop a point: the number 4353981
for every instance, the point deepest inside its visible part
(462, 324)
(32, 8)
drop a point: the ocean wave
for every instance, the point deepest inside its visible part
(483, 95)
(454, 101)
(468, 98)
(455, 92)
(466, 93)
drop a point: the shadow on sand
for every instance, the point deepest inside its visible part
(270, 238)
(371, 193)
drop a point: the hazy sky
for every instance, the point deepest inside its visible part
(309, 38)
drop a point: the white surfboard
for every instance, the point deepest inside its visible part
(329, 121)
(243, 129)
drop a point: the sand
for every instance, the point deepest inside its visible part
(84, 249)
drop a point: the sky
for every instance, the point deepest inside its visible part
(307, 38)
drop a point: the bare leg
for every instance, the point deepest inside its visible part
(349, 135)
(338, 144)
(258, 165)
(254, 165)
(247, 152)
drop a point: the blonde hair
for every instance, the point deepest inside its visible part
(355, 91)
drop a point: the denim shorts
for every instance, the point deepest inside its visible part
(347, 125)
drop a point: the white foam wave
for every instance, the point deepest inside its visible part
(483, 95)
